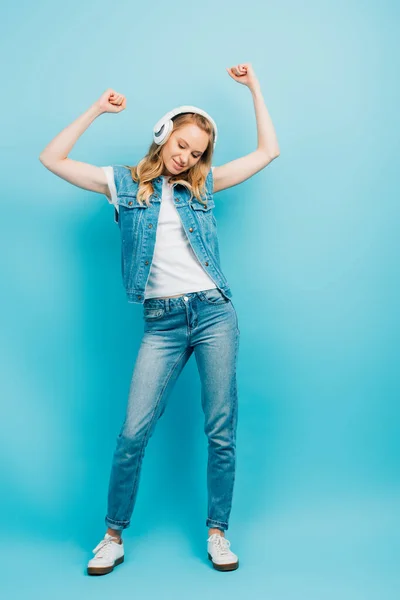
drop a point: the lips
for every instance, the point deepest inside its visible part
(176, 164)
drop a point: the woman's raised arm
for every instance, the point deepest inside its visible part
(242, 168)
(55, 156)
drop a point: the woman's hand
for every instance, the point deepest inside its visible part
(111, 102)
(244, 74)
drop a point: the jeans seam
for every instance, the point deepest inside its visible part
(232, 424)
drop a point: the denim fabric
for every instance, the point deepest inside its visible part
(138, 225)
(204, 322)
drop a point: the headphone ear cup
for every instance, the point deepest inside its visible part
(164, 126)
(162, 135)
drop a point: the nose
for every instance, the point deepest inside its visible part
(183, 160)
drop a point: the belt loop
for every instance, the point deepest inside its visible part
(167, 309)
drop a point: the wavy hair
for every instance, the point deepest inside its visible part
(152, 165)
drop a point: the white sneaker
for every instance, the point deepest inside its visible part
(218, 552)
(108, 554)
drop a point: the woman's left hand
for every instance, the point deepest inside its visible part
(244, 73)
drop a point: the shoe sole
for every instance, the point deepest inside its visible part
(104, 570)
(228, 567)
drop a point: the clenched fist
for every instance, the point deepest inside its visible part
(111, 102)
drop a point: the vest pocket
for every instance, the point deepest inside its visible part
(130, 215)
(209, 205)
(204, 215)
(129, 200)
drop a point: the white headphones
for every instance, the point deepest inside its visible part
(164, 126)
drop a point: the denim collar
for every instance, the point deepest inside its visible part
(177, 190)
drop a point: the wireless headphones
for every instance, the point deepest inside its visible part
(164, 126)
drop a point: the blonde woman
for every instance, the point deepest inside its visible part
(171, 266)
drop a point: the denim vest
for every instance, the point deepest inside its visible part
(138, 225)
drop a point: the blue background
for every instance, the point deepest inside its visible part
(310, 247)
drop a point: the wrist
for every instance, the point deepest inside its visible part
(256, 89)
(95, 110)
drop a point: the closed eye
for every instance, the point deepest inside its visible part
(194, 155)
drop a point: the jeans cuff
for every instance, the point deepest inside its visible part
(118, 525)
(216, 524)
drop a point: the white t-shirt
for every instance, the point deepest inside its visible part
(175, 268)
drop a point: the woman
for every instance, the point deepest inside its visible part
(171, 265)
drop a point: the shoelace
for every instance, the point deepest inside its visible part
(222, 543)
(103, 548)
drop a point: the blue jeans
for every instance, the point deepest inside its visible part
(204, 322)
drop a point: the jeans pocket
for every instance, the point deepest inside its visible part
(153, 313)
(214, 296)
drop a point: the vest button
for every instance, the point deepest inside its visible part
(147, 262)
(190, 229)
(130, 202)
(206, 263)
(177, 199)
(150, 226)
(139, 297)
(205, 206)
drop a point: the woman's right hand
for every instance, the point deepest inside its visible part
(111, 102)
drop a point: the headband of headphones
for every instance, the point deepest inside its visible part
(164, 126)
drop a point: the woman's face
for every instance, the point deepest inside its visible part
(184, 149)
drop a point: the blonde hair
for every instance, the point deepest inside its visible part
(152, 165)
